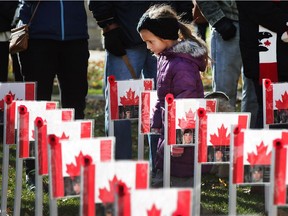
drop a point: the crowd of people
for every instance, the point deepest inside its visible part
(163, 41)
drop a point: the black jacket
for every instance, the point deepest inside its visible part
(128, 13)
(272, 15)
(7, 12)
(56, 20)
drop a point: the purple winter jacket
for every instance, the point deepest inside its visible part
(179, 74)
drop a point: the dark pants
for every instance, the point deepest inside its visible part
(68, 60)
(4, 60)
(259, 94)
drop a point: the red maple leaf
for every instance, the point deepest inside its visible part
(267, 43)
(189, 122)
(131, 99)
(64, 136)
(74, 170)
(222, 139)
(284, 103)
(154, 211)
(261, 156)
(107, 195)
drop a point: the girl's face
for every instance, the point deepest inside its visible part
(154, 43)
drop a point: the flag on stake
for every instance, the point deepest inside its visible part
(49, 117)
(252, 155)
(17, 90)
(27, 111)
(134, 174)
(182, 116)
(67, 157)
(164, 201)
(275, 98)
(214, 133)
(124, 97)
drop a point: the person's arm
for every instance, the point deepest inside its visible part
(216, 17)
(185, 9)
(265, 13)
(7, 9)
(104, 13)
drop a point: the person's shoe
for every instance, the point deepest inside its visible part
(30, 180)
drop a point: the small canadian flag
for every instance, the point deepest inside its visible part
(148, 100)
(252, 147)
(18, 91)
(43, 127)
(101, 179)
(164, 201)
(134, 174)
(214, 129)
(151, 202)
(126, 93)
(27, 111)
(275, 99)
(67, 158)
(182, 113)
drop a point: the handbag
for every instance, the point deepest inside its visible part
(19, 39)
(20, 36)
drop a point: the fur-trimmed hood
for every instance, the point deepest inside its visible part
(190, 50)
(189, 47)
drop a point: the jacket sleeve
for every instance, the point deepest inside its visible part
(265, 13)
(211, 11)
(7, 9)
(103, 12)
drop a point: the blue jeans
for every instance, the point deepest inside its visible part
(227, 69)
(145, 65)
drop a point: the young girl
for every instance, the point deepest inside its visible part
(181, 56)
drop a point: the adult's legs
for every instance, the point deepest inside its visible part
(226, 65)
(4, 60)
(259, 93)
(249, 99)
(39, 64)
(72, 75)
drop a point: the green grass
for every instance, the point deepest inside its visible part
(214, 194)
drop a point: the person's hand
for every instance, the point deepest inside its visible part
(177, 151)
(226, 28)
(113, 42)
